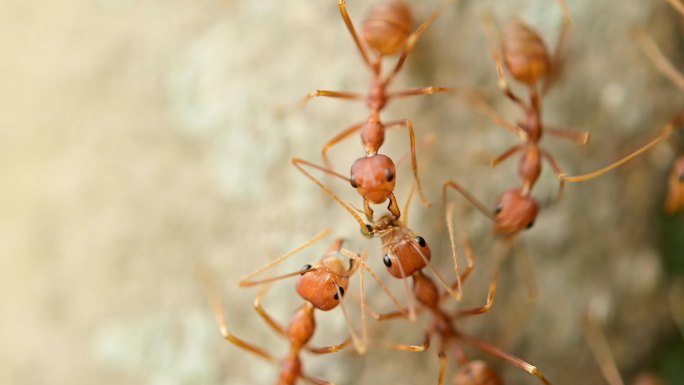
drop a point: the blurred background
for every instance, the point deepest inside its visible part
(140, 140)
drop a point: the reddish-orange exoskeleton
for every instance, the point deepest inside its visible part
(386, 32)
(675, 197)
(321, 286)
(526, 58)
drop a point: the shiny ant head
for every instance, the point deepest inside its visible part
(405, 252)
(515, 212)
(525, 53)
(477, 373)
(675, 194)
(387, 27)
(319, 284)
(373, 177)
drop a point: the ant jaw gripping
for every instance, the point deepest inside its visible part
(477, 373)
(515, 212)
(374, 177)
(387, 27)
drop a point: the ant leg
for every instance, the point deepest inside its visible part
(556, 170)
(338, 138)
(499, 255)
(409, 348)
(579, 137)
(330, 349)
(557, 60)
(212, 292)
(442, 367)
(352, 30)
(677, 5)
(454, 254)
(502, 355)
(366, 230)
(410, 44)
(655, 55)
(414, 163)
(478, 205)
(419, 91)
(493, 35)
(666, 132)
(314, 380)
(266, 317)
(599, 347)
(484, 108)
(507, 154)
(330, 94)
(244, 282)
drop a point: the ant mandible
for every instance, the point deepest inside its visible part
(321, 286)
(386, 32)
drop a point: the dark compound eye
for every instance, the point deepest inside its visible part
(421, 241)
(341, 292)
(389, 175)
(529, 225)
(387, 261)
(305, 268)
(369, 228)
(352, 180)
(498, 209)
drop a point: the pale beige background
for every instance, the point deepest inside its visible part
(141, 139)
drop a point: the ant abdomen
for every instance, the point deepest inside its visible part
(387, 26)
(515, 212)
(374, 177)
(477, 373)
(525, 53)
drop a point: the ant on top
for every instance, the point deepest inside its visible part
(386, 32)
(675, 196)
(322, 287)
(527, 59)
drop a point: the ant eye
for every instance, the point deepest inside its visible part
(389, 175)
(387, 261)
(498, 209)
(341, 293)
(305, 268)
(352, 180)
(529, 225)
(421, 241)
(369, 228)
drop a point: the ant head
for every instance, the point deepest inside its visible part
(525, 53)
(675, 194)
(387, 26)
(515, 212)
(319, 284)
(477, 373)
(374, 177)
(405, 252)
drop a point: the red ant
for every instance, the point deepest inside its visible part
(528, 61)
(675, 197)
(322, 286)
(406, 255)
(386, 32)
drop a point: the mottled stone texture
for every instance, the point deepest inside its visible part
(140, 140)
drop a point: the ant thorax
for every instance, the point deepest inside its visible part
(302, 325)
(319, 284)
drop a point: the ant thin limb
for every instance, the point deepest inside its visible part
(655, 55)
(414, 163)
(442, 367)
(419, 91)
(244, 282)
(330, 349)
(469, 197)
(579, 137)
(556, 170)
(264, 315)
(330, 94)
(408, 47)
(338, 138)
(506, 154)
(409, 348)
(559, 51)
(298, 164)
(454, 254)
(666, 132)
(502, 355)
(315, 381)
(677, 5)
(352, 31)
(484, 108)
(360, 345)
(599, 348)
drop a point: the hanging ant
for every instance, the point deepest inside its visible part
(406, 255)
(527, 59)
(322, 287)
(386, 32)
(675, 197)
